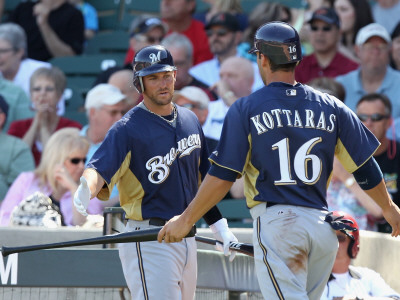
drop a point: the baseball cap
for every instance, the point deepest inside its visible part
(3, 105)
(143, 24)
(224, 19)
(103, 94)
(373, 29)
(327, 15)
(194, 94)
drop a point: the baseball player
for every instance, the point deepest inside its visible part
(282, 139)
(156, 155)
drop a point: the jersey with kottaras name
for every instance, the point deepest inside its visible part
(159, 180)
(256, 133)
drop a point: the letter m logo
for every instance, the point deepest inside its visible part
(10, 268)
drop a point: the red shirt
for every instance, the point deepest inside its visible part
(197, 35)
(19, 129)
(309, 68)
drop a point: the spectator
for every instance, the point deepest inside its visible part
(223, 37)
(17, 101)
(194, 99)
(16, 157)
(237, 77)
(90, 17)
(14, 65)
(145, 30)
(264, 12)
(395, 48)
(57, 176)
(349, 282)
(343, 192)
(386, 13)
(181, 50)
(353, 15)
(326, 60)
(123, 80)
(375, 111)
(178, 14)
(53, 28)
(374, 73)
(229, 6)
(104, 104)
(46, 87)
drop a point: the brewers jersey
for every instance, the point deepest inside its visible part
(272, 137)
(157, 167)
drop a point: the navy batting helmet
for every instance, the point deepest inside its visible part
(150, 60)
(354, 245)
(279, 41)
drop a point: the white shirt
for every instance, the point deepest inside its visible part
(212, 127)
(208, 72)
(358, 282)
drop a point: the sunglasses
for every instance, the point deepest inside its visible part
(323, 28)
(77, 160)
(373, 117)
(341, 238)
(219, 32)
(190, 106)
(153, 40)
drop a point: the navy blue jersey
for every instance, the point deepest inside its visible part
(157, 168)
(283, 139)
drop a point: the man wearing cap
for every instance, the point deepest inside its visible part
(374, 74)
(326, 60)
(145, 30)
(16, 156)
(105, 105)
(195, 99)
(223, 36)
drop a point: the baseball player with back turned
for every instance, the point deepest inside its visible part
(157, 156)
(282, 139)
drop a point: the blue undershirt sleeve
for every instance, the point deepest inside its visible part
(223, 173)
(368, 175)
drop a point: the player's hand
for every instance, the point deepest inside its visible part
(392, 215)
(222, 233)
(82, 197)
(174, 231)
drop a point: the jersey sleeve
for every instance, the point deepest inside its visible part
(355, 144)
(112, 159)
(234, 142)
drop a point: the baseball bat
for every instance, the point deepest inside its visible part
(144, 235)
(243, 248)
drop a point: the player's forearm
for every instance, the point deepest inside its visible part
(380, 195)
(94, 180)
(211, 191)
(365, 200)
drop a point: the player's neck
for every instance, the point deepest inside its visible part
(159, 109)
(287, 77)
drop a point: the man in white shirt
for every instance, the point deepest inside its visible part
(223, 37)
(348, 282)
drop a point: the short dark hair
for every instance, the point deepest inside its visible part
(374, 96)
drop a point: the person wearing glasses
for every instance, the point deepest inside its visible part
(375, 112)
(57, 176)
(223, 37)
(46, 88)
(326, 60)
(374, 74)
(348, 282)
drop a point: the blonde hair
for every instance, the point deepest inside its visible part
(54, 74)
(228, 5)
(58, 148)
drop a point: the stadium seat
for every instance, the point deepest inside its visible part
(142, 6)
(87, 65)
(108, 12)
(74, 105)
(108, 42)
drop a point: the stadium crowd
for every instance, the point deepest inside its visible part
(352, 43)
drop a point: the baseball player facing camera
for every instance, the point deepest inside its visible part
(282, 139)
(157, 156)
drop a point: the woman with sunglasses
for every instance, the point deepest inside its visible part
(46, 88)
(57, 176)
